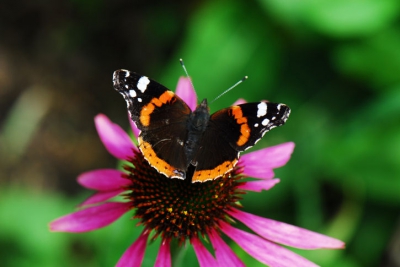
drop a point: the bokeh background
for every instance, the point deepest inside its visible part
(336, 63)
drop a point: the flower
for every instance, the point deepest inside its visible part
(184, 211)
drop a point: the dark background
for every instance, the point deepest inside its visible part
(335, 63)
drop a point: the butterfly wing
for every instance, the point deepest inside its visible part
(162, 118)
(233, 130)
(254, 120)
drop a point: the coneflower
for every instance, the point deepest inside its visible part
(174, 209)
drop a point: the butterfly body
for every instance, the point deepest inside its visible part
(174, 139)
(196, 126)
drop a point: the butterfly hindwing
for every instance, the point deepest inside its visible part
(215, 157)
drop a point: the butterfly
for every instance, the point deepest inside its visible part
(185, 144)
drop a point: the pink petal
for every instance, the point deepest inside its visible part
(117, 141)
(103, 180)
(259, 185)
(134, 128)
(91, 218)
(203, 255)
(263, 250)
(260, 163)
(239, 102)
(284, 233)
(224, 254)
(164, 255)
(133, 256)
(101, 197)
(185, 90)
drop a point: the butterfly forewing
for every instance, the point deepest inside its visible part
(243, 125)
(142, 94)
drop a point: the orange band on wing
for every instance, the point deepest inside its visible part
(245, 134)
(146, 111)
(160, 165)
(166, 97)
(220, 170)
(237, 112)
(145, 114)
(244, 127)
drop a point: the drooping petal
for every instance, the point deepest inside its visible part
(259, 164)
(134, 128)
(284, 233)
(263, 250)
(133, 256)
(185, 90)
(103, 180)
(91, 218)
(259, 185)
(164, 255)
(101, 197)
(224, 254)
(203, 255)
(115, 139)
(239, 102)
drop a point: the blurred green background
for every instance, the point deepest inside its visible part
(336, 63)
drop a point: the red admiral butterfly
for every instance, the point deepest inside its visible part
(178, 142)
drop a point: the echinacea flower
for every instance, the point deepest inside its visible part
(178, 209)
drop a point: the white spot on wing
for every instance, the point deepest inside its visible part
(180, 142)
(142, 83)
(132, 93)
(262, 109)
(265, 122)
(127, 74)
(139, 99)
(256, 125)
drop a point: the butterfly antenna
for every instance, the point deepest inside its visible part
(187, 74)
(230, 88)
